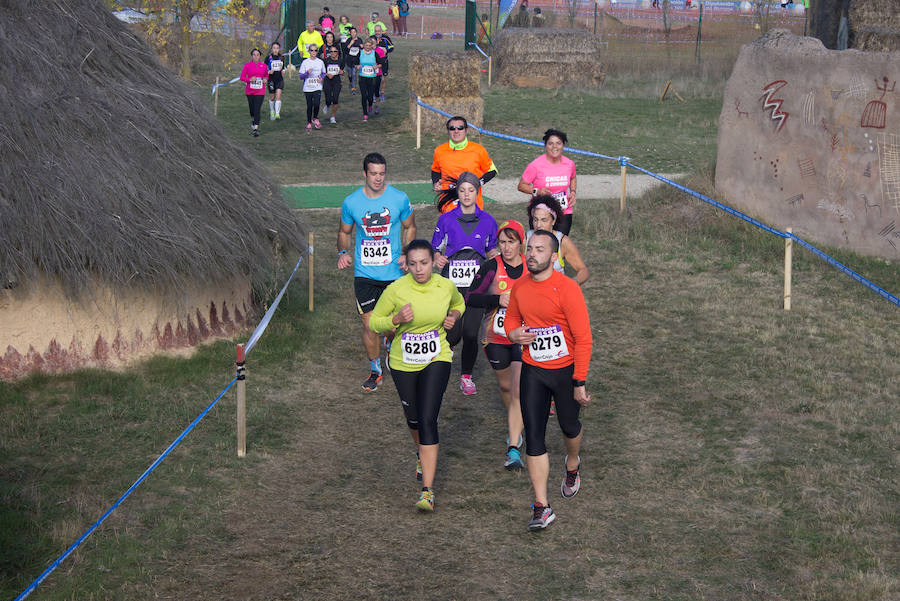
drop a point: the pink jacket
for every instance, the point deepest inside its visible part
(252, 70)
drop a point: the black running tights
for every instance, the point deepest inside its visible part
(421, 393)
(255, 101)
(537, 387)
(367, 92)
(467, 328)
(313, 100)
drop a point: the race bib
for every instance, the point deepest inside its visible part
(375, 253)
(368, 71)
(462, 272)
(313, 81)
(563, 198)
(333, 69)
(256, 83)
(343, 38)
(420, 349)
(354, 51)
(277, 65)
(499, 318)
(550, 344)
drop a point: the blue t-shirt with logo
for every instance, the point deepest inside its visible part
(379, 231)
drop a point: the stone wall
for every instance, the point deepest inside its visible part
(810, 138)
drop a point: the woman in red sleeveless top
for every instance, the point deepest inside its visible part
(490, 290)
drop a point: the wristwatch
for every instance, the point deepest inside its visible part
(577, 383)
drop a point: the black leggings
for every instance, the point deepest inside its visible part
(332, 90)
(367, 92)
(255, 101)
(536, 387)
(421, 393)
(467, 329)
(313, 100)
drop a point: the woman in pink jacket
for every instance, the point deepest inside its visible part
(255, 73)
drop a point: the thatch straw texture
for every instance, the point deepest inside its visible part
(471, 108)
(445, 74)
(111, 168)
(875, 25)
(544, 57)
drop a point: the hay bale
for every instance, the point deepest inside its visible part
(539, 57)
(472, 108)
(877, 39)
(875, 25)
(445, 74)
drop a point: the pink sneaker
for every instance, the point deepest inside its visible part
(317, 124)
(309, 127)
(365, 117)
(467, 385)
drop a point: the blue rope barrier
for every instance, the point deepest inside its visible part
(264, 322)
(137, 483)
(822, 255)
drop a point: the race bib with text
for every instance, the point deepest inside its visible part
(550, 344)
(462, 272)
(375, 253)
(419, 349)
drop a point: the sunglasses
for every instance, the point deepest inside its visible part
(455, 127)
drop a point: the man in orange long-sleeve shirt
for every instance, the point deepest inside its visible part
(548, 315)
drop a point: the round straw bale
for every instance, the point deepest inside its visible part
(543, 57)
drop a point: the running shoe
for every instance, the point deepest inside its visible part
(317, 124)
(271, 116)
(572, 482)
(382, 97)
(255, 133)
(542, 517)
(332, 120)
(376, 109)
(467, 385)
(371, 384)
(365, 117)
(309, 127)
(513, 459)
(353, 91)
(418, 468)
(426, 501)
(277, 116)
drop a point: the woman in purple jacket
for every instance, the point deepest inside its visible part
(463, 239)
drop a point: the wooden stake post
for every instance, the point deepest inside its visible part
(788, 257)
(490, 64)
(216, 101)
(310, 258)
(241, 402)
(622, 200)
(418, 125)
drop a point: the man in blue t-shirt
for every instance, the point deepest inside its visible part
(379, 213)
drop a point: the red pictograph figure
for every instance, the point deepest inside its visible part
(874, 113)
(770, 102)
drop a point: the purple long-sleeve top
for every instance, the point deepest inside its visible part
(455, 231)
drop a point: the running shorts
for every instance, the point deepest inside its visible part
(368, 292)
(275, 83)
(501, 356)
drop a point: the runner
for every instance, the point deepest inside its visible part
(309, 36)
(463, 239)
(383, 41)
(331, 86)
(354, 47)
(548, 315)
(367, 76)
(311, 72)
(554, 174)
(328, 40)
(379, 212)
(490, 290)
(344, 27)
(254, 74)
(458, 155)
(326, 20)
(275, 62)
(370, 26)
(422, 306)
(380, 62)
(542, 212)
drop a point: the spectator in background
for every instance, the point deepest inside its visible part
(485, 29)
(522, 18)
(395, 17)
(538, 19)
(403, 5)
(370, 26)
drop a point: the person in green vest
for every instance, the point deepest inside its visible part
(309, 36)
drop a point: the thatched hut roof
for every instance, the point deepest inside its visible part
(112, 168)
